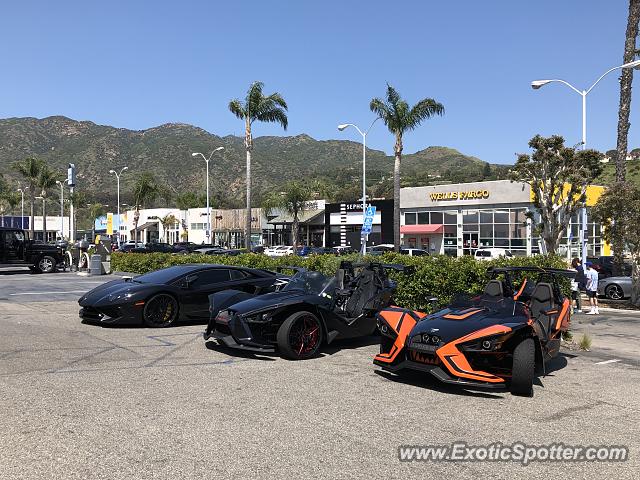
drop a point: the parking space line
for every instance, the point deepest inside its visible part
(604, 362)
(47, 293)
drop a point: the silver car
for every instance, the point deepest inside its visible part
(615, 288)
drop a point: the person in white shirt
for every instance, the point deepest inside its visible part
(592, 288)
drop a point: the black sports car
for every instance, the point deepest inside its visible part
(310, 310)
(163, 297)
(493, 340)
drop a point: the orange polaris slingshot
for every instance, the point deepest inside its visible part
(494, 340)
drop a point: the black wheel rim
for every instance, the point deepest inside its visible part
(160, 310)
(304, 336)
(615, 292)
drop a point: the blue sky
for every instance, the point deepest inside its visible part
(138, 64)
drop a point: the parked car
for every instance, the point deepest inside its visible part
(17, 250)
(164, 297)
(604, 266)
(492, 253)
(323, 251)
(344, 250)
(283, 251)
(129, 246)
(615, 288)
(156, 247)
(270, 251)
(414, 252)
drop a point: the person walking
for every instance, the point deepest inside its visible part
(592, 288)
(576, 294)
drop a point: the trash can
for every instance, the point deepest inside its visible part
(95, 266)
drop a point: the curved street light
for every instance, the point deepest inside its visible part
(341, 127)
(117, 174)
(537, 84)
(206, 159)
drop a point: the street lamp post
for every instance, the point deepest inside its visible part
(196, 154)
(44, 232)
(536, 84)
(21, 190)
(341, 127)
(61, 208)
(117, 174)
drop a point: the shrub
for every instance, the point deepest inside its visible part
(585, 342)
(438, 276)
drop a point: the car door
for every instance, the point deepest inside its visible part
(13, 246)
(196, 288)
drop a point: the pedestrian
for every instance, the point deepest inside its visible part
(576, 295)
(592, 288)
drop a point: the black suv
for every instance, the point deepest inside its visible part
(17, 249)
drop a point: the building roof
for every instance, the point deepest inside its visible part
(306, 217)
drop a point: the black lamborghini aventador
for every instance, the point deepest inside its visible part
(164, 297)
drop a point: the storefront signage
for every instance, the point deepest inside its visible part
(464, 195)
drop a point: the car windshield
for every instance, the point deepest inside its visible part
(505, 305)
(311, 283)
(166, 275)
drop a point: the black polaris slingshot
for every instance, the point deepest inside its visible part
(309, 311)
(494, 340)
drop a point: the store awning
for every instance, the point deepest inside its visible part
(421, 229)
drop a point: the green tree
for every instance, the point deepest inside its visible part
(30, 169)
(145, 190)
(618, 209)
(400, 119)
(46, 181)
(187, 200)
(257, 106)
(558, 177)
(295, 198)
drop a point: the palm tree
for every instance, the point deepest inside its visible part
(399, 119)
(95, 210)
(30, 169)
(256, 106)
(146, 189)
(294, 199)
(167, 221)
(46, 181)
(626, 80)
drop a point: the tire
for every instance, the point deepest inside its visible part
(160, 311)
(523, 370)
(614, 292)
(46, 264)
(300, 336)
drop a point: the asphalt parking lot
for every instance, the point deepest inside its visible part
(80, 401)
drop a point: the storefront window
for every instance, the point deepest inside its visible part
(436, 217)
(450, 218)
(423, 218)
(409, 218)
(518, 215)
(450, 231)
(470, 227)
(486, 231)
(486, 217)
(501, 242)
(470, 217)
(518, 231)
(501, 216)
(501, 231)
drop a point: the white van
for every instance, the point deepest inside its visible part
(492, 253)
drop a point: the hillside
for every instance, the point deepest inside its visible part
(166, 150)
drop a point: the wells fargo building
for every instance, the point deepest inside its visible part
(457, 219)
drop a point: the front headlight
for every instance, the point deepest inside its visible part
(490, 343)
(258, 318)
(119, 296)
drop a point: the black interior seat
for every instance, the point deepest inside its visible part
(542, 299)
(495, 288)
(363, 292)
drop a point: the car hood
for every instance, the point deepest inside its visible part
(268, 301)
(112, 291)
(448, 325)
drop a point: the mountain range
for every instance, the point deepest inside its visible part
(166, 151)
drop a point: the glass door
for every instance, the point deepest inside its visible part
(470, 243)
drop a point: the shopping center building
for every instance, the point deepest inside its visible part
(457, 219)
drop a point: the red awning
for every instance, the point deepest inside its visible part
(420, 229)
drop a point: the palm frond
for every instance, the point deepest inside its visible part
(424, 109)
(254, 98)
(236, 107)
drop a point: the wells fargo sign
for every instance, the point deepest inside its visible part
(467, 195)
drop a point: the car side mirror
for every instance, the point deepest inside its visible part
(188, 281)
